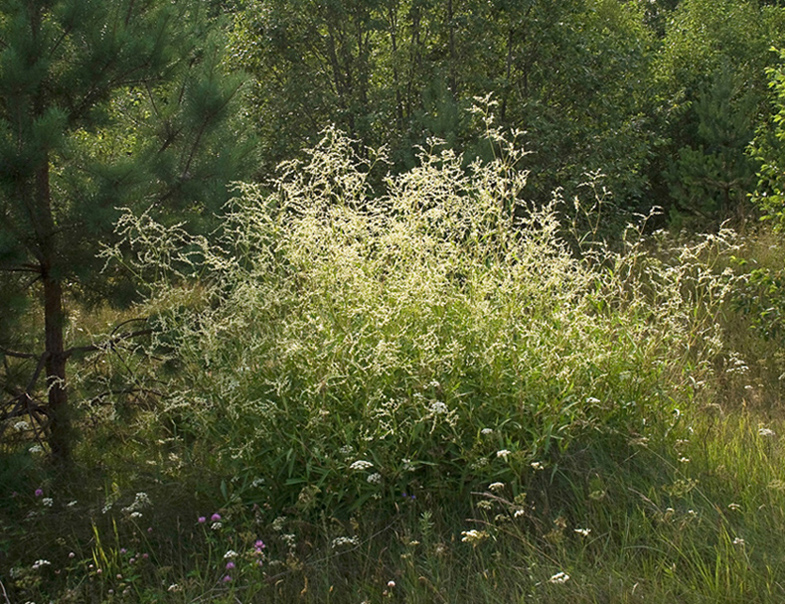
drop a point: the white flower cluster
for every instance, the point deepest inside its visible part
(374, 478)
(438, 408)
(41, 563)
(361, 464)
(141, 501)
(341, 541)
(559, 578)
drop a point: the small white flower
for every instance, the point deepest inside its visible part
(390, 584)
(738, 541)
(36, 449)
(47, 501)
(278, 523)
(486, 431)
(40, 563)
(174, 587)
(559, 578)
(473, 536)
(734, 506)
(71, 504)
(594, 401)
(583, 532)
(519, 513)
(21, 426)
(684, 460)
(438, 408)
(496, 486)
(537, 465)
(374, 478)
(136, 514)
(216, 526)
(766, 432)
(230, 554)
(504, 453)
(341, 541)
(361, 464)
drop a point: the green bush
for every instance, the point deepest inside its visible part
(340, 348)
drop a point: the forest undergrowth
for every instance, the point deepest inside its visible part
(433, 393)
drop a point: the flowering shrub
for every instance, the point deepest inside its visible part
(343, 346)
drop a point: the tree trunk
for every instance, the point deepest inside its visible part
(54, 322)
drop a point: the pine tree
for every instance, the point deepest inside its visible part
(103, 103)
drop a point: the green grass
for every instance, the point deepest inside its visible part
(436, 394)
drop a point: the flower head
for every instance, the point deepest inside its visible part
(559, 578)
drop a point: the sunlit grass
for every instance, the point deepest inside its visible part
(432, 394)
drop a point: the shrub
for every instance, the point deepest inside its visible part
(341, 347)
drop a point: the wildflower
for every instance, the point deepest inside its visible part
(216, 526)
(41, 563)
(537, 465)
(47, 501)
(123, 550)
(473, 536)
(259, 544)
(560, 577)
(174, 587)
(340, 541)
(21, 426)
(229, 565)
(361, 464)
(496, 486)
(36, 449)
(374, 478)
(486, 431)
(145, 556)
(583, 532)
(201, 520)
(136, 514)
(766, 432)
(71, 555)
(738, 541)
(484, 505)
(684, 460)
(39, 492)
(230, 554)
(519, 513)
(390, 584)
(734, 507)
(438, 408)
(504, 453)
(226, 579)
(592, 400)
(215, 517)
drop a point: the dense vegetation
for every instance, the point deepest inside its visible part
(375, 300)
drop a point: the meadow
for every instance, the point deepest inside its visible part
(417, 388)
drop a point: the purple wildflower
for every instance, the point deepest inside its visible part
(229, 565)
(259, 544)
(226, 579)
(215, 517)
(202, 520)
(39, 492)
